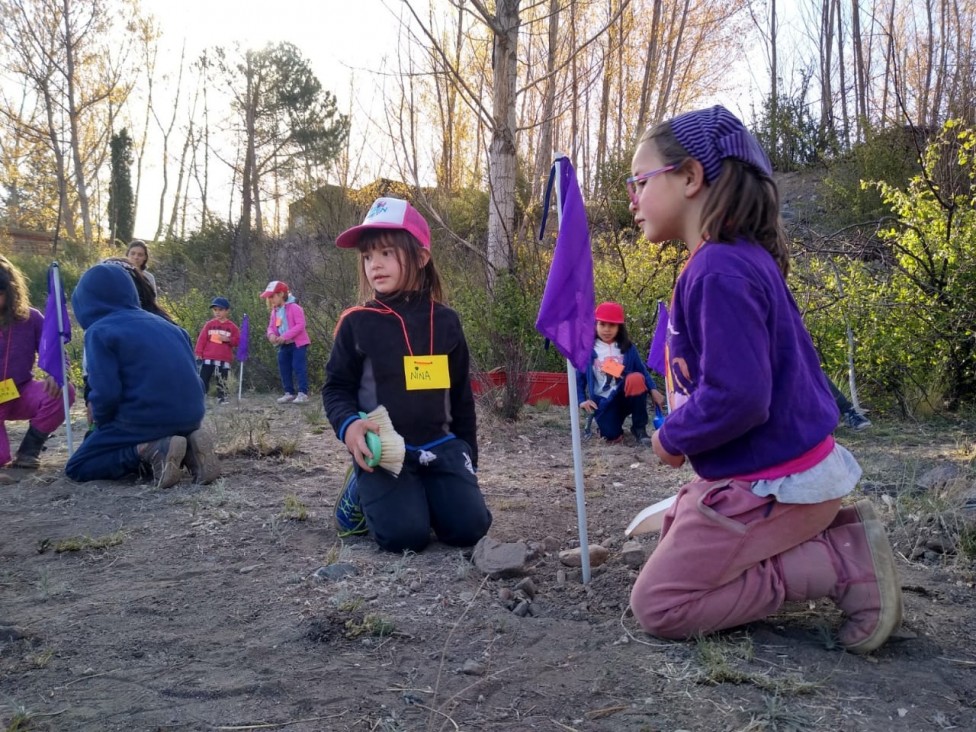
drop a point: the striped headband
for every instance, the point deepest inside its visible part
(713, 134)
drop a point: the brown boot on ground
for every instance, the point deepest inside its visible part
(166, 458)
(200, 459)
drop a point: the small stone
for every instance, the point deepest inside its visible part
(248, 569)
(574, 557)
(335, 571)
(552, 543)
(527, 586)
(415, 586)
(473, 668)
(561, 577)
(633, 554)
(522, 609)
(505, 594)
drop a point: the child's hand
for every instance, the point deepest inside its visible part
(355, 439)
(658, 398)
(675, 461)
(588, 406)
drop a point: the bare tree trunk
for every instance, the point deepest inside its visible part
(167, 131)
(55, 133)
(860, 74)
(924, 93)
(671, 62)
(773, 77)
(606, 82)
(241, 256)
(650, 69)
(942, 70)
(74, 126)
(826, 68)
(546, 148)
(891, 66)
(181, 173)
(842, 76)
(502, 150)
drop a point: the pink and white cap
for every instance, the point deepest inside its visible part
(388, 213)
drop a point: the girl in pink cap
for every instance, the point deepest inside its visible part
(404, 349)
(750, 409)
(287, 333)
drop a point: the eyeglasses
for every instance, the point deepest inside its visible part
(633, 182)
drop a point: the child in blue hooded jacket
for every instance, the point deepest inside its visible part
(145, 394)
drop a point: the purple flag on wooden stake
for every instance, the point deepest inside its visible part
(242, 343)
(566, 313)
(50, 356)
(655, 356)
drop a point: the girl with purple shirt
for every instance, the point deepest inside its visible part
(750, 409)
(21, 396)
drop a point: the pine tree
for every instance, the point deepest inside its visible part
(121, 211)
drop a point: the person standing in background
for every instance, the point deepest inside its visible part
(138, 256)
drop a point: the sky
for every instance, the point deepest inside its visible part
(341, 39)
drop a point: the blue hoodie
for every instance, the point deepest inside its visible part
(141, 369)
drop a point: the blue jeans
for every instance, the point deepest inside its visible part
(109, 452)
(293, 365)
(613, 411)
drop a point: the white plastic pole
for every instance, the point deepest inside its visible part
(574, 418)
(64, 366)
(240, 382)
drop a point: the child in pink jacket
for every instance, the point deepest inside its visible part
(286, 331)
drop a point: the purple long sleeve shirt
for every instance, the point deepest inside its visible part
(24, 338)
(746, 376)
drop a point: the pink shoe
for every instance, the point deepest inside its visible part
(852, 564)
(868, 590)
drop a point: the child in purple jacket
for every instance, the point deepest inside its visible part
(750, 409)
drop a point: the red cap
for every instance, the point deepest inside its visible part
(274, 287)
(388, 213)
(610, 312)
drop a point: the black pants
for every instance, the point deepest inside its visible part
(442, 495)
(207, 371)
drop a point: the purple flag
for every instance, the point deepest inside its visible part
(242, 343)
(655, 356)
(49, 355)
(566, 313)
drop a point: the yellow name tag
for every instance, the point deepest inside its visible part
(8, 391)
(426, 372)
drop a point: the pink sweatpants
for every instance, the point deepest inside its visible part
(712, 568)
(46, 413)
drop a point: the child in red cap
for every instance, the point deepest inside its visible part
(616, 383)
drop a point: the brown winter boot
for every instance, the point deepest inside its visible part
(852, 564)
(166, 458)
(29, 453)
(200, 458)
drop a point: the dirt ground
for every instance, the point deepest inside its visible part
(199, 608)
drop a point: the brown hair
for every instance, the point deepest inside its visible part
(742, 203)
(12, 280)
(417, 277)
(147, 295)
(142, 245)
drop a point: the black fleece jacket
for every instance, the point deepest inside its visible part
(365, 369)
